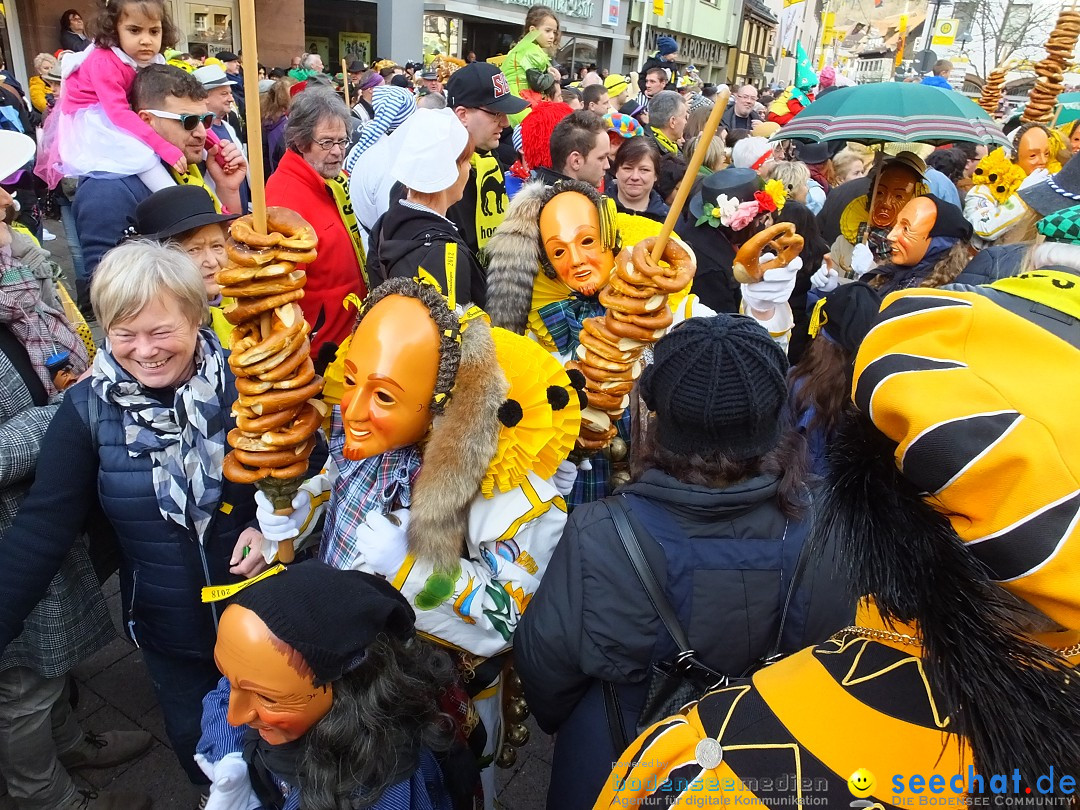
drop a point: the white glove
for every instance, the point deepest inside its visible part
(564, 478)
(383, 545)
(1036, 177)
(230, 785)
(825, 279)
(775, 287)
(862, 260)
(283, 527)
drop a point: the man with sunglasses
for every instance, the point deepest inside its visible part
(480, 97)
(173, 103)
(310, 179)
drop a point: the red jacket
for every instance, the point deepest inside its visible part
(336, 272)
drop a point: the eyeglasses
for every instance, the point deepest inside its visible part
(187, 120)
(746, 98)
(492, 113)
(326, 144)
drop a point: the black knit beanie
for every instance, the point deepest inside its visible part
(717, 385)
(328, 616)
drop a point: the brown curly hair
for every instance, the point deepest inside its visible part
(821, 381)
(105, 28)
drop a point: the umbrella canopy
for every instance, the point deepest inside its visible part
(893, 111)
(1070, 108)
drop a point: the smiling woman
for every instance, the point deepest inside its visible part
(143, 441)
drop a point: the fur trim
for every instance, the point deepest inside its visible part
(513, 260)
(1008, 695)
(462, 443)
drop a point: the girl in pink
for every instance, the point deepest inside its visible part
(94, 131)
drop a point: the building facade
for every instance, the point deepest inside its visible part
(706, 31)
(755, 62)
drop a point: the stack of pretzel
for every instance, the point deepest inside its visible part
(1051, 70)
(991, 93)
(609, 354)
(277, 413)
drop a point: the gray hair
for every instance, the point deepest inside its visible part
(431, 101)
(791, 173)
(138, 272)
(308, 61)
(664, 106)
(309, 109)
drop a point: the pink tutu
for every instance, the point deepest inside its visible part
(86, 143)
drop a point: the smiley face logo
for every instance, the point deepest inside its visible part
(861, 783)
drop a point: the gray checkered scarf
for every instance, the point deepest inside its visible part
(185, 442)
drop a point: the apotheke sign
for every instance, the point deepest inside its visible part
(570, 8)
(691, 49)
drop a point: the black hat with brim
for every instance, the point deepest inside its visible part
(480, 84)
(732, 182)
(177, 210)
(1056, 192)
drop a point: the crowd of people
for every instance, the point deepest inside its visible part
(803, 481)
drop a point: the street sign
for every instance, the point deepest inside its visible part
(945, 32)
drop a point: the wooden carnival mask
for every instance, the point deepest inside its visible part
(390, 375)
(573, 242)
(1033, 150)
(894, 190)
(910, 237)
(272, 687)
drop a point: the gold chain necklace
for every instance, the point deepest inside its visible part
(912, 641)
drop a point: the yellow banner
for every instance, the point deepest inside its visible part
(791, 2)
(658, 7)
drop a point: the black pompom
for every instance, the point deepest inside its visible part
(583, 400)
(557, 397)
(992, 177)
(510, 413)
(1000, 189)
(577, 379)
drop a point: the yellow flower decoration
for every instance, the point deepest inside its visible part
(1057, 146)
(999, 174)
(776, 190)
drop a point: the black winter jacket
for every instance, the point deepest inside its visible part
(993, 263)
(591, 621)
(406, 239)
(714, 282)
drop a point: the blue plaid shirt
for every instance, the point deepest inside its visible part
(383, 482)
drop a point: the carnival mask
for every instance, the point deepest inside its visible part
(1033, 150)
(272, 687)
(390, 375)
(570, 233)
(910, 237)
(894, 190)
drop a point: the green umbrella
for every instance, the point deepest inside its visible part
(1070, 108)
(893, 111)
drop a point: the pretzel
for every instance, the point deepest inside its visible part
(680, 268)
(244, 309)
(301, 429)
(277, 456)
(241, 255)
(272, 421)
(780, 239)
(633, 331)
(232, 276)
(630, 304)
(237, 472)
(278, 339)
(659, 320)
(605, 349)
(596, 361)
(597, 327)
(289, 365)
(285, 229)
(607, 402)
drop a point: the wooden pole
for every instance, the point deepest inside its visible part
(696, 160)
(879, 158)
(345, 81)
(253, 110)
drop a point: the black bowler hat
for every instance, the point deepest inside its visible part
(173, 211)
(356, 66)
(480, 84)
(227, 56)
(731, 182)
(812, 153)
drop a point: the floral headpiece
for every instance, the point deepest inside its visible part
(736, 215)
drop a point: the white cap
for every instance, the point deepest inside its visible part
(16, 150)
(211, 76)
(428, 145)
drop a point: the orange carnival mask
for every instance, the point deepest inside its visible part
(571, 236)
(1033, 150)
(910, 237)
(894, 190)
(272, 688)
(390, 375)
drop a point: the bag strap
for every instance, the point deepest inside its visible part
(613, 710)
(93, 409)
(800, 566)
(617, 507)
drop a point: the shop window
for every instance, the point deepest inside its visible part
(442, 35)
(208, 25)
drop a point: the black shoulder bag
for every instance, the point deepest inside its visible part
(674, 683)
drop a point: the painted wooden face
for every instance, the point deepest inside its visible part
(390, 375)
(910, 237)
(272, 691)
(1033, 150)
(570, 232)
(894, 190)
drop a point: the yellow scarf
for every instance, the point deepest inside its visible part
(339, 187)
(664, 142)
(194, 178)
(489, 212)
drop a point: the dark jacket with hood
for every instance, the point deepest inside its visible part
(725, 559)
(994, 263)
(656, 60)
(406, 240)
(714, 282)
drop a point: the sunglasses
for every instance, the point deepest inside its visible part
(187, 120)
